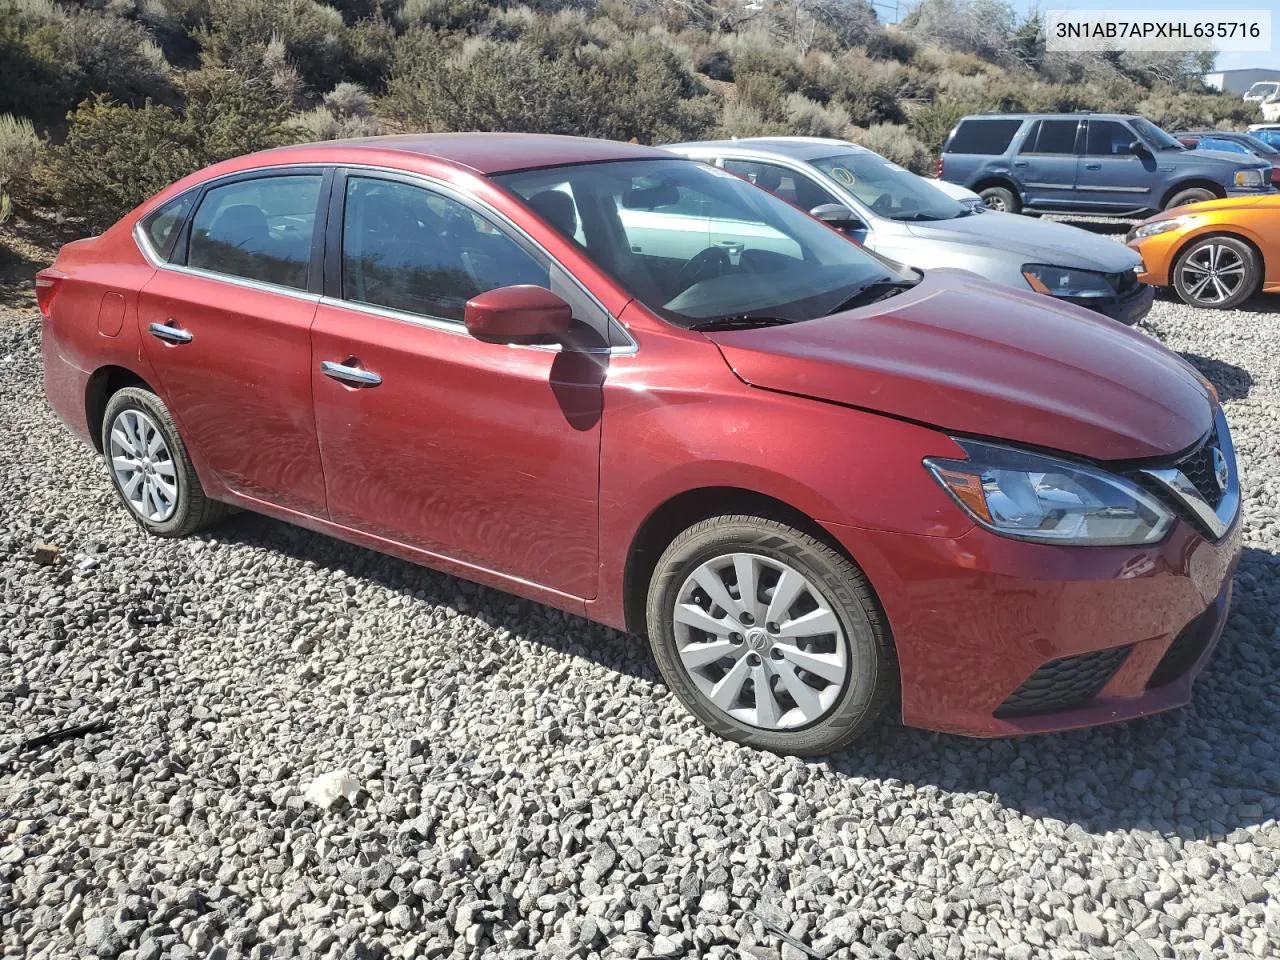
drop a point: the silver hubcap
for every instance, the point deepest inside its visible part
(143, 466)
(760, 642)
(1212, 273)
(995, 203)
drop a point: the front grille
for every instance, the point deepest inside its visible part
(1186, 649)
(1123, 283)
(1064, 683)
(1198, 468)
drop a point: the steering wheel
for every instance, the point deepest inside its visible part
(884, 205)
(702, 264)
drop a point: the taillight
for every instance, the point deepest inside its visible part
(937, 168)
(46, 286)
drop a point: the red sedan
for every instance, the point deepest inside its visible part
(639, 389)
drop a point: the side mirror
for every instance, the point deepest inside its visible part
(839, 216)
(519, 314)
(1137, 147)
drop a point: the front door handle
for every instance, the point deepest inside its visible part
(1020, 163)
(169, 333)
(355, 376)
(1093, 166)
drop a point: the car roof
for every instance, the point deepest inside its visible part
(797, 148)
(483, 153)
(1076, 115)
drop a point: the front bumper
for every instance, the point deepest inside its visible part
(1126, 308)
(978, 619)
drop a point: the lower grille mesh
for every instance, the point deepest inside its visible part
(1065, 683)
(1186, 649)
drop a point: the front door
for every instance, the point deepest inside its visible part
(227, 328)
(483, 454)
(1045, 164)
(1112, 177)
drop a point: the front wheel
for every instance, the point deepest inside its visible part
(1217, 272)
(769, 636)
(1194, 195)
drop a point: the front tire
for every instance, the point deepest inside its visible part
(769, 636)
(149, 467)
(1217, 273)
(1194, 195)
(1001, 199)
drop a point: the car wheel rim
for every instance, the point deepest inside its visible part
(1212, 273)
(760, 642)
(996, 203)
(143, 466)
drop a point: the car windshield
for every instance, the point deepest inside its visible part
(1262, 89)
(889, 190)
(1258, 145)
(696, 244)
(1154, 135)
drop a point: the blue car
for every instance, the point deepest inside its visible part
(1090, 163)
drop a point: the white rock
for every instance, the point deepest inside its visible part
(328, 788)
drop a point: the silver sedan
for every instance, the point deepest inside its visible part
(907, 219)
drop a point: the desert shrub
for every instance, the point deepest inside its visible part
(115, 156)
(20, 150)
(715, 64)
(639, 92)
(236, 32)
(115, 57)
(895, 142)
(34, 78)
(347, 111)
(890, 43)
(868, 89)
(468, 15)
(1186, 111)
(369, 48)
(932, 122)
(738, 119)
(808, 118)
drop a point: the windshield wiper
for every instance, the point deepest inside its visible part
(741, 321)
(873, 292)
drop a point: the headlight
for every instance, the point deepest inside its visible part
(1031, 497)
(1155, 227)
(1062, 282)
(1249, 178)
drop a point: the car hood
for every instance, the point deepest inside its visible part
(1035, 241)
(1225, 205)
(1235, 159)
(958, 353)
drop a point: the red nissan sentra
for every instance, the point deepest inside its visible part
(639, 389)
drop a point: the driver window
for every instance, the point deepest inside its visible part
(409, 249)
(1107, 138)
(797, 189)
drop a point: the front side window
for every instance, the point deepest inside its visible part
(758, 255)
(985, 137)
(257, 229)
(162, 225)
(887, 189)
(1108, 138)
(410, 249)
(795, 188)
(1052, 137)
(1154, 136)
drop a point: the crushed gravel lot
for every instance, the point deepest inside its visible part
(519, 782)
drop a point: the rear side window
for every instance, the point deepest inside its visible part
(990, 137)
(257, 229)
(1052, 137)
(161, 225)
(1107, 138)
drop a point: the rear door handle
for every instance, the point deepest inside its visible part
(1093, 166)
(169, 333)
(355, 376)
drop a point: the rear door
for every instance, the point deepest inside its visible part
(1046, 163)
(1111, 177)
(483, 454)
(226, 324)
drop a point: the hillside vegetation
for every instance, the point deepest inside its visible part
(103, 102)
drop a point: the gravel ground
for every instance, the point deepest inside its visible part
(293, 747)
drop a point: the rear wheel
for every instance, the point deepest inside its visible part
(1001, 199)
(1217, 272)
(149, 466)
(769, 636)
(1194, 195)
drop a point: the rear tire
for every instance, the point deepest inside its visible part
(1217, 273)
(1001, 199)
(1194, 195)
(149, 467)
(822, 651)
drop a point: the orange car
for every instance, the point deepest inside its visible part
(1217, 253)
